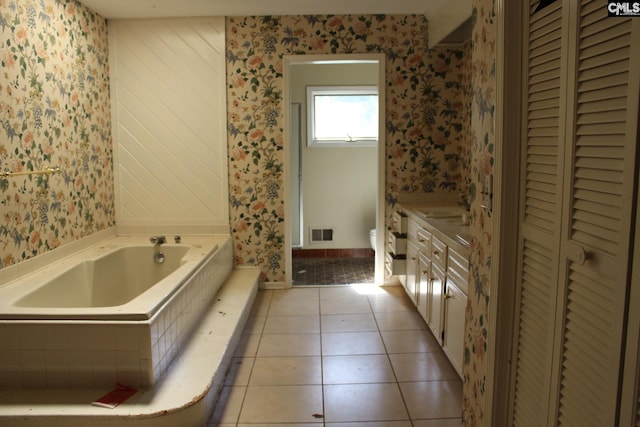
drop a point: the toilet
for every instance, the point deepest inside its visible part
(372, 238)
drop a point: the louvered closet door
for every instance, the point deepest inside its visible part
(577, 187)
(601, 135)
(540, 215)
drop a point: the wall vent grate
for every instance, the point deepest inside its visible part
(319, 235)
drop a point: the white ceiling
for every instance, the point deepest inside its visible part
(122, 9)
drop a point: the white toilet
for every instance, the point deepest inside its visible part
(372, 238)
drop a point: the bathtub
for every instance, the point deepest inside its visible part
(110, 313)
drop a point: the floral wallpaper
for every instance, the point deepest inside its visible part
(426, 125)
(482, 136)
(54, 111)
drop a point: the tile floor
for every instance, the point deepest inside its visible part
(349, 356)
(332, 271)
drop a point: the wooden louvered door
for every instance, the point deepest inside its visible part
(600, 157)
(577, 193)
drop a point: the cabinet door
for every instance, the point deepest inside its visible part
(423, 275)
(412, 279)
(436, 301)
(455, 303)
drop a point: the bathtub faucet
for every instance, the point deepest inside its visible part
(158, 240)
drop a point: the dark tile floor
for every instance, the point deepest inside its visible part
(332, 271)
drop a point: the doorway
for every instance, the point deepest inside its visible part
(315, 230)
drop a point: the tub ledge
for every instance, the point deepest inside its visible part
(185, 396)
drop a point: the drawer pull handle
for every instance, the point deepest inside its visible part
(425, 272)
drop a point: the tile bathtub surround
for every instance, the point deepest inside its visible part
(74, 354)
(356, 356)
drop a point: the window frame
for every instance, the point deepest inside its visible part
(313, 91)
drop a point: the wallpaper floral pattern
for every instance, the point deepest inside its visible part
(54, 111)
(426, 125)
(482, 138)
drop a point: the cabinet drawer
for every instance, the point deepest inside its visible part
(438, 253)
(458, 262)
(395, 264)
(399, 222)
(459, 279)
(397, 243)
(423, 237)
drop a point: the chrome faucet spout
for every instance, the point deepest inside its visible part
(158, 240)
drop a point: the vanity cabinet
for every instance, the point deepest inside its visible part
(436, 280)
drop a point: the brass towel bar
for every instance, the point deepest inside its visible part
(49, 170)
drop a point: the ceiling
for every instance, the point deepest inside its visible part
(123, 9)
(443, 18)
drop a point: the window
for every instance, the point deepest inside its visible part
(342, 116)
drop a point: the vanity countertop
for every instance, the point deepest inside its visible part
(447, 220)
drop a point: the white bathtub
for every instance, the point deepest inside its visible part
(110, 313)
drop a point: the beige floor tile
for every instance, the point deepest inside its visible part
(261, 304)
(297, 294)
(347, 305)
(373, 368)
(349, 343)
(422, 367)
(400, 321)
(444, 399)
(289, 345)
(286, 371)
(292, 325)
(239, 371)
(281, 404)
(363, 322)
(391, 304)
(228, 406)
(292, 307)
(419, 341)
(372, 424)
(338, 292)
(255, 325)
(450, 422)
(363, 402)
(248, 345)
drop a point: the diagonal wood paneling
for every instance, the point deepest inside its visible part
(168, 95)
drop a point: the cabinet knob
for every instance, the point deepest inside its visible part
(436, 253)
(421, 240)
(448, 296)
(425, 272)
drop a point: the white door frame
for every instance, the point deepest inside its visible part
(378, 58)
(505, 214)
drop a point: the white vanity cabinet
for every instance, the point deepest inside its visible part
(437, 268)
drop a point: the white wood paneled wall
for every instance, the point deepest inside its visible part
(169, 116)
